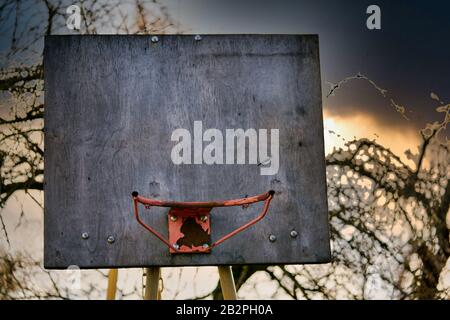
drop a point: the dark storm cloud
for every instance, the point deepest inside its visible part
(409, 57)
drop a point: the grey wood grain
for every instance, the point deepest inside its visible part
(111, 104)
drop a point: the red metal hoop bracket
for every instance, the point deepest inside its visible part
(197, 211)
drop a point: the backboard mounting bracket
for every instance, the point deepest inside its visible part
(190, 230)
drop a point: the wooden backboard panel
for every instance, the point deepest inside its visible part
(111, 106)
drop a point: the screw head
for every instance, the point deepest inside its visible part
(155, 39)
(173, 218)
(85, 236)
(111, 239)
(198, 37)
(176, 246)
(205, 245)
(203, 218)
(294, 234)
(272, 238)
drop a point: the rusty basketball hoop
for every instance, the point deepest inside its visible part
(189, 222)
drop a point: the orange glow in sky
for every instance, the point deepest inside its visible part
(339, 129)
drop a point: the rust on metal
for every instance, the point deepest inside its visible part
(211, 204)
(190, 231)
(189, 222)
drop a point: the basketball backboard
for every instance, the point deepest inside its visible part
(183, 118)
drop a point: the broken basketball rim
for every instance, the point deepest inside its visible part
(189, 222)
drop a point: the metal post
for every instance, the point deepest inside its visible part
(152, 283)
(112, 284)
(227, 283)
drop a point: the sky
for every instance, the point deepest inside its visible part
(409, 56)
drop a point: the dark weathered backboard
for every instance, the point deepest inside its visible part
(114, 107)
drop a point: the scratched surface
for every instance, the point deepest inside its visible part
(111, 105)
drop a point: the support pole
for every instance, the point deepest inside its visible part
(227, 283)
(152, 283)
(112, 284)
